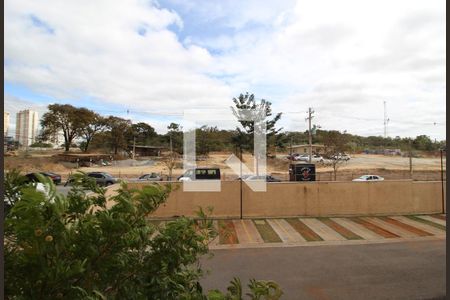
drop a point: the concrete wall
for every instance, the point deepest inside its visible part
(309, 199)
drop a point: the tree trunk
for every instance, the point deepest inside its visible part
(87, 145)
(67, 146)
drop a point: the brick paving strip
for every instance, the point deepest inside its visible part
(266, 231)
(253, 232)
(285, 231)
(377, 229)
(243, 233)
(304, 230)
(325, 232)
(416, 218)
(340, 229)
(433, 220)
(215, 241)
(357, 228)
(420, 225)
(390, 227)
(227, 233)
(405, 226)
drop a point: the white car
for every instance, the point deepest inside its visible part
(314, 159)
(369, 178)
(341, 156)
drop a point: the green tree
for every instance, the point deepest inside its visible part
(423, 142)
(65, 118)
(92, 124)
(175, 137)
(144, 133)
(85, 246)
(118, 133)
(245, 137)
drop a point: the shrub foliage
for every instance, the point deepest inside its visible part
(87, 246)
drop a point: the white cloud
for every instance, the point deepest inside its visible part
(96, 51)
(344, 58)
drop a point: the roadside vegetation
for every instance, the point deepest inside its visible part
(85, 246)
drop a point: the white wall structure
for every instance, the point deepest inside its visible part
(5, 123)
(27, 122)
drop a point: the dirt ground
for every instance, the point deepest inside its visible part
(390, 167)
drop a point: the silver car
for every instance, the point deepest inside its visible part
(150, 177)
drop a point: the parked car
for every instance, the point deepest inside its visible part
(267, 178)
(369, 178)
(150, 177)
(200, 174)
(56, 178)
(101, 178)
(341, 156)
(315, 158)
(293, 156)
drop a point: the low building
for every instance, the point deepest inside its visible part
(146, 150)
(304, 149)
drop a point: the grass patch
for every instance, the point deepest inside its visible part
(266, 231)
(415, 218)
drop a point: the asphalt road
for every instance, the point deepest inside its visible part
(406, 270)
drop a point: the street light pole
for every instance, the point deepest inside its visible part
(310, 112)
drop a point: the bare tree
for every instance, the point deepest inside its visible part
(170, 162)
(335, 144)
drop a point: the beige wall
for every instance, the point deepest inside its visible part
(310, 199)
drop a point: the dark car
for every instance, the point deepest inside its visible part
(200, 174)
(56, 178)
(101, 178)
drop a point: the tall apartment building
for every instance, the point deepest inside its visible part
(27, 122)
(5, 123)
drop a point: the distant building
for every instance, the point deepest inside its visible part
(304, 149)
(27, 122)
(5, 123)
(146, 150)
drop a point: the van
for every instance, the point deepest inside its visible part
(200, 174)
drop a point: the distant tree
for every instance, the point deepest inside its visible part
(65, 118)
(175, 137)
(245, 136)
(170, 162)
(143, 132)
(92, 123)
(423, 142)
(335, 144)
(118, 132)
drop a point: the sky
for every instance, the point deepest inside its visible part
(152, 60)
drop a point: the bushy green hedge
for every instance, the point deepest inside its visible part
(85, 246)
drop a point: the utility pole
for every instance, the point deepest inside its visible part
(410, 160)
(134, 146)
(385, 120)
(290, 151)
(309, 118)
